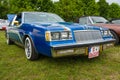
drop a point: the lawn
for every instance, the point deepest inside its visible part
(14, 65)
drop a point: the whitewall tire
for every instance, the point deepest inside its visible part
(30, 50)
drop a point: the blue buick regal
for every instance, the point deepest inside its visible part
(48, 34)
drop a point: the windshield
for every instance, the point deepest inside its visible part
(37, 17)
(96, 19)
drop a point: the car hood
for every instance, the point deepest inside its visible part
(93, 27)
(113, 27)
(107, 25)
(66, 26)
(10, 17)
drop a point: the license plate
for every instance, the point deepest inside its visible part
(93, 51)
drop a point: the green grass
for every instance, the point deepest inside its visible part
(14, 65)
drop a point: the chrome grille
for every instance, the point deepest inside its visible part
(87, 35)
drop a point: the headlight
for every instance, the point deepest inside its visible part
(48, 36)
(106, 33)
(55, 36)
(64, 35)
(61, 35)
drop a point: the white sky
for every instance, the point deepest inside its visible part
(112, 1)
(109, 1)
(55, 0)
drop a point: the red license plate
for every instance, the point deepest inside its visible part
(93, 51)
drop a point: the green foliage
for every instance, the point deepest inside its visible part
(19, 6)
(103, 8)
(3, 9)
(114, 11)
(90, 7)
(70, 10)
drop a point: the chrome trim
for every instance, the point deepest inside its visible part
(91, 20)
(87, 36)
(62, 39)
(76, 45)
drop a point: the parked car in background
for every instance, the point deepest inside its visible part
(48, 34)
(102, 22)
(115, 21)
(3, 24)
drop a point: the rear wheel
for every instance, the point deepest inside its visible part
(115, 36)
(30, 50)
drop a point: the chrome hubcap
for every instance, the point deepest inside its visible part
(28, 48)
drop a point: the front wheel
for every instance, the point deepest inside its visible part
(115, 36)
(30, 50)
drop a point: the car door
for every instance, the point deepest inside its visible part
(15, 32)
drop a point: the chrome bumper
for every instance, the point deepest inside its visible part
(77, 49)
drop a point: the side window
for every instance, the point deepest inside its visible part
(12, 23)
(18, 19)
(83, 20)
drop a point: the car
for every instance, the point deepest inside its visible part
(115, 21)
(102, 22)
(3, 24)
(48, 34)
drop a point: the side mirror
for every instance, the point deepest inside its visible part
(16, 23)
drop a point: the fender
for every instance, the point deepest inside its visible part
(31, 38)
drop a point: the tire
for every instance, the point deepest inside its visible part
(9, 42)
(115, 36)
(30, 50)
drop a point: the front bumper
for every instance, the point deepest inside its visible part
(80, 48)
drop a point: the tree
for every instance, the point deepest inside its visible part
(103, 8)
(114, 11)
(90, 7)
(17, 6)
(43, 5)
(69, 9)
(3, 8)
